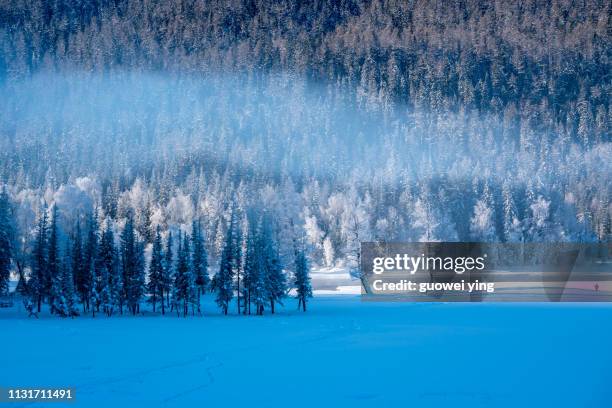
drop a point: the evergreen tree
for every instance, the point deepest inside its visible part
(259, 288)
(512, 225)
(90, 257)
(302, 279)
(65, 300)
(199, 262)
(79, 271)
(156, 272)
(106, 270)
(108, 254)
(184, 283)
(249, 270)
(222, 282)
(5, 241)
(276, 281)
(168, 274)
(88, 279)
(237, 266)
(39, 261)
(139, 284)
(132, 263)
(53, 261)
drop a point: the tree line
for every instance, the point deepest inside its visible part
(93, 271)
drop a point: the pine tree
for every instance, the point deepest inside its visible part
(222, 282)
(302, 279)
(184, 284)
(168, 274)
(156, 272)
(79, 272)
(276, 281)
(53, 261)
(512, 225)
(139, 284)
(65, 301)
(199, 262)
(68, 291)
(249, 270)
(259, 293)
(90, 273)
(237, 266)
(132, 262)
(5, 241)
(108, 253)
(94, 296)
(39, 261)
(106, 270)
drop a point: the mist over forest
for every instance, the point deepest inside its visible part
(335, 122)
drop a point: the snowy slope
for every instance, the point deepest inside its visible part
(342, 352)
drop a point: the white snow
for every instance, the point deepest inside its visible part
(343, 352)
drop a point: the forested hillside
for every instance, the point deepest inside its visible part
(329, 122)
(551, 57)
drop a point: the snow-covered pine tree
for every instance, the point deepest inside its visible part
(90, 255)
(132, 266)
(59, 303)
(258, 275)
(482, 226)
(5, 241)
(140, 281)
(53, 261)
(104, 269)
(94, 296)
(512, 224)
(168, 274)
(237, 260)
(199, 262)
(276, 281)
(108, 255)
(222, 282)
(104, 272)
(70, 296)
(540, 224)
(192, 290)
(89, 262)
(248, 270)
(39, 260)
(156, 272)
(66, 301)
(482, 223)
(184, 284)
(79, 272)
(302, 279)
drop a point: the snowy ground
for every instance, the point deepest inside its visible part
(342, 352)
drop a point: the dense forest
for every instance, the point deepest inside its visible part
(491, 56)
(291, 131)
